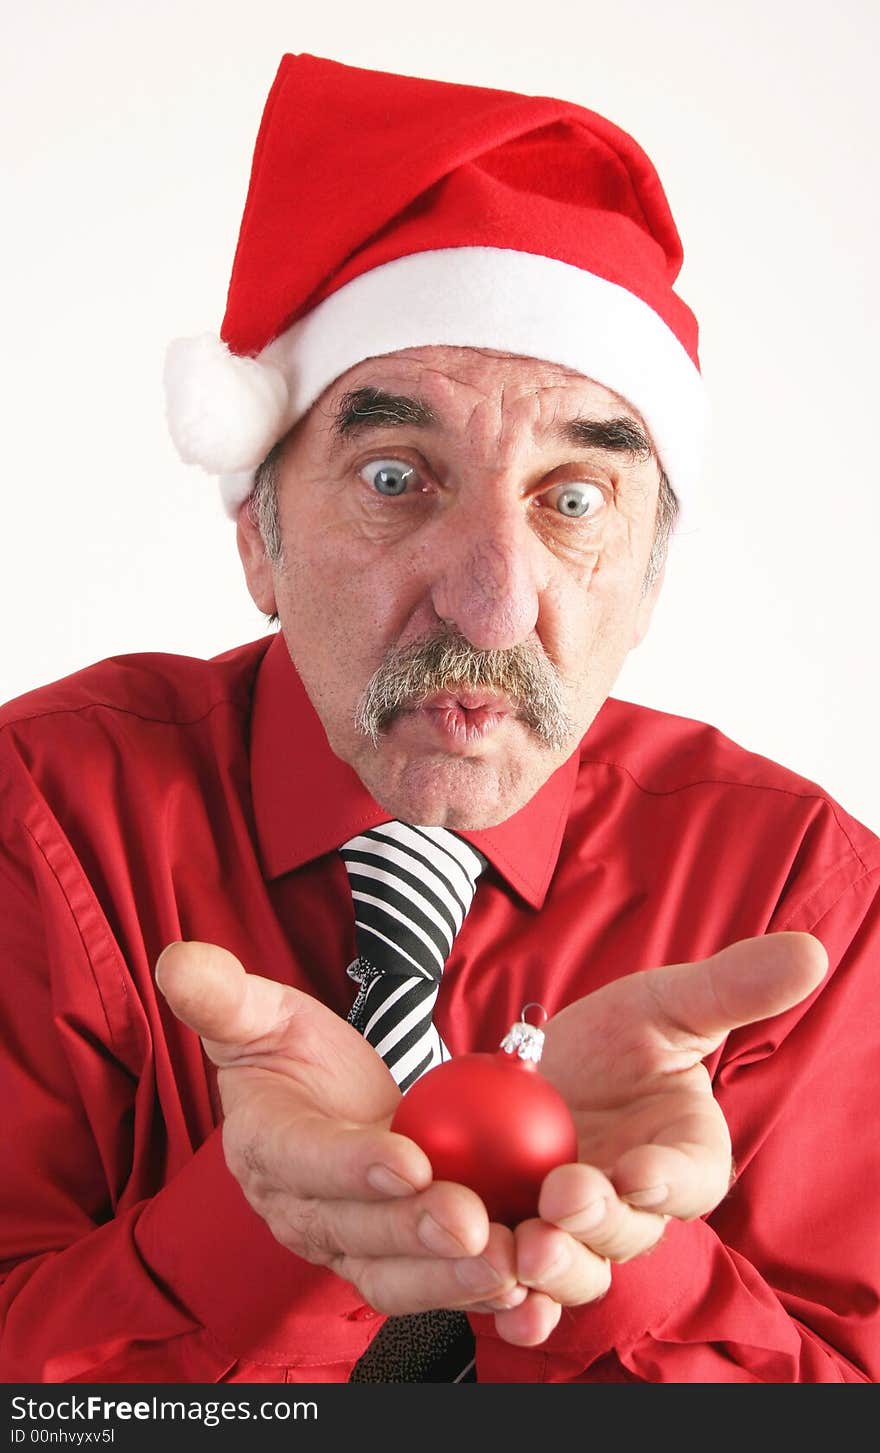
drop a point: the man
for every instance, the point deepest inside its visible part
(455, 410)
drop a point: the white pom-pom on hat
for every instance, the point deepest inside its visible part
(224, 411)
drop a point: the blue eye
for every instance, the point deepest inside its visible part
(388, 476)
(576, 500)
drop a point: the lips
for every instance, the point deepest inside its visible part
(462, 721)
(467, 699)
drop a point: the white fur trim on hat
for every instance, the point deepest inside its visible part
(224, 412)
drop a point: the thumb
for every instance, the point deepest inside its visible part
(208, 989)
(752, 979)
(246, 1021)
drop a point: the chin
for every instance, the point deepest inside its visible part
(464, 794)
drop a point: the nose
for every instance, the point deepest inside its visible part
(488, 581)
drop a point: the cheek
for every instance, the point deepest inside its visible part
(599, 560)
(330, 550)
(589, 620)
(339, 616)
(598, 583)
(615, 595)
(619, 568)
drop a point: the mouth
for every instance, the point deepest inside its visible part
(468, 698)
(453, 696)
(462, 718)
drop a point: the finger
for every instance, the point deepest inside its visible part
(247, 1020)
(750, 980)
(278, 1140)
(514, 1298)
(549, 1260)
(580, 1200)
(530, 1323)
(403, 1284)
(445, 1221)
(208, 989)
(683, 1180)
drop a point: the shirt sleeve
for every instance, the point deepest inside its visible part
(99, 1281)
(782, 1282)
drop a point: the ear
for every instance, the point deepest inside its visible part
(646, 609)
(257, 565)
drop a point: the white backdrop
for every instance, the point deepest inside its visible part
(127, 133)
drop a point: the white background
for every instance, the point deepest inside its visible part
(127, 132)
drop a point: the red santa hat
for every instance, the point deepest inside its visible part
(388, 212)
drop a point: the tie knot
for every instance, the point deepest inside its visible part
(412, 888)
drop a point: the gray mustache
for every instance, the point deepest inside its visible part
(410, 674)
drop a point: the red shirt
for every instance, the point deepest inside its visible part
(152, 798)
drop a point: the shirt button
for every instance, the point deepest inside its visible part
(362, 1314)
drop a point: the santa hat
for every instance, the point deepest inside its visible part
(387, 212)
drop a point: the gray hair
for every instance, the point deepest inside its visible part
(263, 504)
(664, 520)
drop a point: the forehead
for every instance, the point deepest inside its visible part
(455, 381)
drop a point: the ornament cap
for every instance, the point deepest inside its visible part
(526, 1040)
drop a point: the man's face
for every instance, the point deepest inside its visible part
(453, 494)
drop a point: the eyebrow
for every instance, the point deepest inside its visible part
(363, 409)
(620, 435)
(373, 408)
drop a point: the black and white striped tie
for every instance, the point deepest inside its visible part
(412, 888)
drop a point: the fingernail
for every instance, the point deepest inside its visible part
(388, 1182)
(437, 1239)
(643, 1200)
(478, 1275)
(514, 1298)
(586, 1219)
(173, 944)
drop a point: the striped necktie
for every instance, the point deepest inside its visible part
(411, 888)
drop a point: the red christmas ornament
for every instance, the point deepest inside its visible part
(492, 1122)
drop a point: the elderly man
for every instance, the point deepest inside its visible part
(456, 408)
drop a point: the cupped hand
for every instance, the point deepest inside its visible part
(652, 1140)
(306, 1104)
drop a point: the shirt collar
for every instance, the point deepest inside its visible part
(307, 801)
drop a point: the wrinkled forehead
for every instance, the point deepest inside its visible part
(444, 385)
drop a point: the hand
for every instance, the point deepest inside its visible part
(652, 1141)
(307, 1103)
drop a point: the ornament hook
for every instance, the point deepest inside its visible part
(524, 1039)
(541, 1010)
